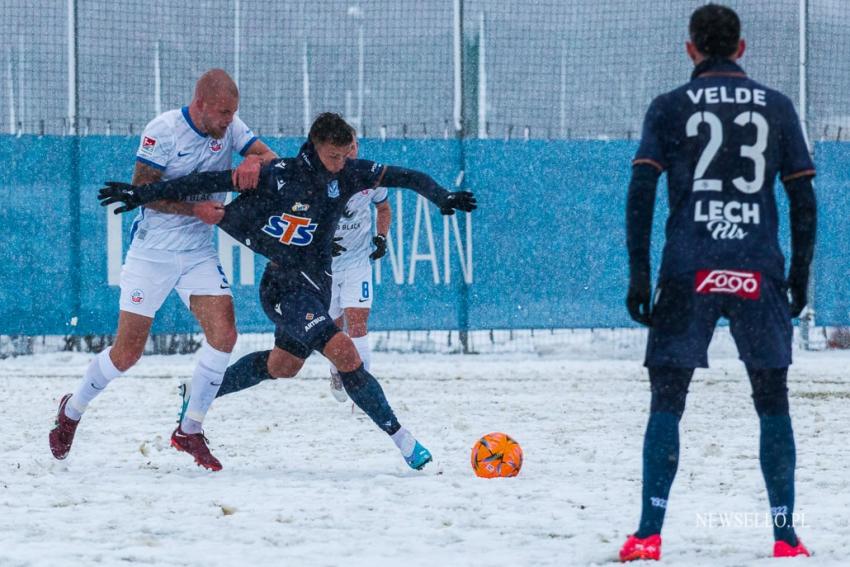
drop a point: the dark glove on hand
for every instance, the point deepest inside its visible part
(380, 242)
(460, 200)
(798, 283)
(336, 247)
(118, 192)
(638, 300)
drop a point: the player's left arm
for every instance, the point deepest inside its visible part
(803, 209)
(370, 174)
(424, 184)
(247, 175)
(383, 217)
(798, 170)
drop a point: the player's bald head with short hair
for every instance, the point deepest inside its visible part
(215, 83)
(215, 102)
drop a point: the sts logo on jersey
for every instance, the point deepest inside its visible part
(291, 229)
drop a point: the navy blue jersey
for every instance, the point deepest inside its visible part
(292, 216)
(723, 139)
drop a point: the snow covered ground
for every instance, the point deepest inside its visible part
(306, 482)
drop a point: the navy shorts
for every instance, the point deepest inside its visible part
(687, 309)
(299, 311)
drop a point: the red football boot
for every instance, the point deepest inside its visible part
(784, 549)
(196, 445)
(641, 548)
(62, 435)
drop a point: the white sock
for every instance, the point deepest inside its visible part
(404, 441)
(205, 384)
(99, 374)
(363, 349)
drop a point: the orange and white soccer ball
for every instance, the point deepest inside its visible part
(496, 455)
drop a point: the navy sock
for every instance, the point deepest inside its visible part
(777, 453)
(368, 395)
(248, 371)
(778, 458)
(660, 461)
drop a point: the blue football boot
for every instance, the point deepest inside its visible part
(419, 457)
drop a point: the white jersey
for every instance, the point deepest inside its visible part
(355, 228)
(172, 144)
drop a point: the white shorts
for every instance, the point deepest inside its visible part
(148, 276)
(351, 288)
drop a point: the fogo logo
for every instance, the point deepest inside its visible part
(291, 229)
(735, 282)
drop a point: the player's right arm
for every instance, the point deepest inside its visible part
(145, 174)
(133, 196)
(640, 205)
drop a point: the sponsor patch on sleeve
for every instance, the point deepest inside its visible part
(148, 145)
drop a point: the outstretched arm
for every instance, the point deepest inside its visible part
(424, 185)
(176, 189)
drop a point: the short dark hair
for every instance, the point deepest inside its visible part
(330, 127)
(715, 30)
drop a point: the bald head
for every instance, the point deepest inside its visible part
(215, 83)
(215, 102)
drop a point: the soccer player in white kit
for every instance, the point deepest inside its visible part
(172, 249)
(351, 291)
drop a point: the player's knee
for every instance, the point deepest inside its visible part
(342, 352)
(770, 391)
(225, 340)
(357, 329)
(345, 359)
(669, 389)
(282, 371)
(124, 358)
(282, 368)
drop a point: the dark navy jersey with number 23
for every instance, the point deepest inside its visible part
(723, 139)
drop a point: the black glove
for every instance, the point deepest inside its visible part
(336, 247)
(118, 192)
(460, 200)
(798, 283)
(380, 242)
(638, 300)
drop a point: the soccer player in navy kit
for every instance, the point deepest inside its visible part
(352, 291)
(723, 139)
(291, 219)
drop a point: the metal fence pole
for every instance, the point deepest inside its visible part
(74, 182)
(807, 321)
(460, 87)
